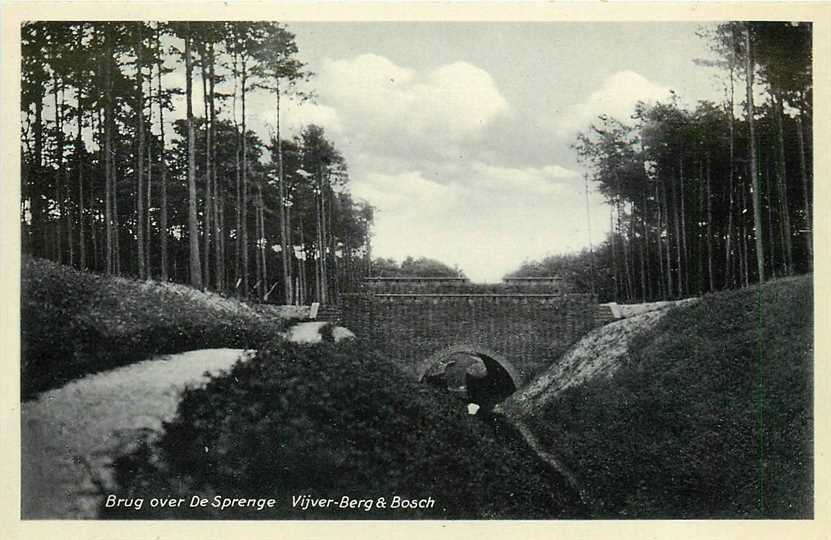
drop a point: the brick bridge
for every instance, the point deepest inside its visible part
(516, 328)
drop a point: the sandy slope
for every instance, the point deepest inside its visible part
(71, 435)
(598, 354)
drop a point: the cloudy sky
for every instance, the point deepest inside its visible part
(459, 133)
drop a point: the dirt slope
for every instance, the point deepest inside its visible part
(598, 354)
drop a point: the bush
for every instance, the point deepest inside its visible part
(711, 418)
(332, 420)
(74, 323)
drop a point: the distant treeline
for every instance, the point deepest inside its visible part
(112, 182)
(410, 267)
(710, 198)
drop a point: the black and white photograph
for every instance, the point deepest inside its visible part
(415, 270)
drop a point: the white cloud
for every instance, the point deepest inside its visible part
(295, 115)
(616, 97)
(394, 109)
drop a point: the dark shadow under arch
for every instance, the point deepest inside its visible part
(502, 380)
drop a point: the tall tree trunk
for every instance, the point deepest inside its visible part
(710, 228)
(678, 239)
(116, 223)
(782, 183)
(193, 226)
(683, 271)
(67, 195)
(149, 231)
(140, 155)
(284, 232)
(728, 249)
(163, 233)
(700, 241)
(613, 234)
(58, 175)
(591, 247)
(302, 264)
(82, 253)
(263, 236)
(659, 241)
(206, 228)
(244, 188)
(767, 186)
(38, 243)
(757, 205)
(258, 247)
(219, 253)
(238, 185)
(108, 151)
(745, 250)
(806, 191)
(646, 282)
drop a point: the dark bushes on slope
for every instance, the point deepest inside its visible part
(333, 420)
(74, 323)
(711, 418)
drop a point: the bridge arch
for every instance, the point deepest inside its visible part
(488, 356)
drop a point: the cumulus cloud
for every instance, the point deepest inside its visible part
(392, 108)
(295, 115)
(616, 97)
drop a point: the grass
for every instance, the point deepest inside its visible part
(711, 417)
(74, 323)
(330, 420)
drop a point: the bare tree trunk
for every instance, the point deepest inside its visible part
(82, 252)
(613, 233)
(659, 241)
(140, 156)
(149, 233)
(646, 282)
(284, 233)
(219, 253)
(757, 205)
(728, 255)
(258, 247)
(108, 151)
(683, 271)
(244, 189)
(803, 171)
(710, 228)
(264, 246)
(782, 183)
(745, 250)
(700, 241)
(193, 227)
(58, 246)
(678, 240)
(768, 187)
(206, 228)
(238, 178)
(116, 223)
(163, 202)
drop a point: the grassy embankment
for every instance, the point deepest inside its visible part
(334, 420)
(74, 323)
(709, 417)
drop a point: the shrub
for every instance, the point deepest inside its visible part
(711, 418)
(332, 420)
(74, 323)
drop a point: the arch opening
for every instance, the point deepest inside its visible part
(480, 379)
